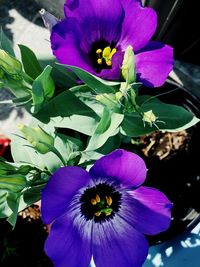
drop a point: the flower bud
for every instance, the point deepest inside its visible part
(128, 65)
(37, 137)
(10, 65)
(149, 117)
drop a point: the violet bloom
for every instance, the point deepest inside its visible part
(95, 34)
(102, 214)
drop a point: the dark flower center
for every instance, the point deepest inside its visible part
(100, 203)
(101, 55)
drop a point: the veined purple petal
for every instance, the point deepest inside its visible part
(117, 243)
(114, 73)
(147, 209)
(126, 167)
(69, 45)
(60, 189)
(154, 63)
(102, 19)
(69, 241)
(139, 25)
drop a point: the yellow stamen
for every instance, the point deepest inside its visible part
(109, 63)
(99, 61)
(108, 54)
(105, 55)
(93, 201)
(97, 198)
(114, 50)
(98, 213)
(99, 51)
(109, 200)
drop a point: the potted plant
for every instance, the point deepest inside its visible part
(92, 123)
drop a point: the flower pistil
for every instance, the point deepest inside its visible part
(105, 55)
(100, 203)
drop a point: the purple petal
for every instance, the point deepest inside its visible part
(139, 25)
(149, 210)
(154, 63)
(117, 243)
(69, 45)
(60, 189)
(114, 73)
(126, 167)
(48, 19)
(69, 242)
(102, 19)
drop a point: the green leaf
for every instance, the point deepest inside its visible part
(88, 97)
(23, 153)
(79, 123)
(5, 211)
(97, 84)
(31, 196)
(104, 122)
(5, 43)
(97, 140)
(63, 77)
(13, 203)
(30, 62)
(169, 118)
(6, 168)
(42, 89)
(64, 105)
(111, 144)
(14, 182)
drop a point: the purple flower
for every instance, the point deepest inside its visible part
(102, 214)
(95, 34)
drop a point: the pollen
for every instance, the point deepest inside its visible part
(109, 200)
(109, 63)
(93, 201)
(99, 61)
(98, 213)
(97, 199)
(99, 51)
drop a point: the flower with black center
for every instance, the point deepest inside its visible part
(95, 34)
(103, 214)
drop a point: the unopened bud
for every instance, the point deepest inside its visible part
(37, 137)
(10, 65)
(149, 117)
(128, 65)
